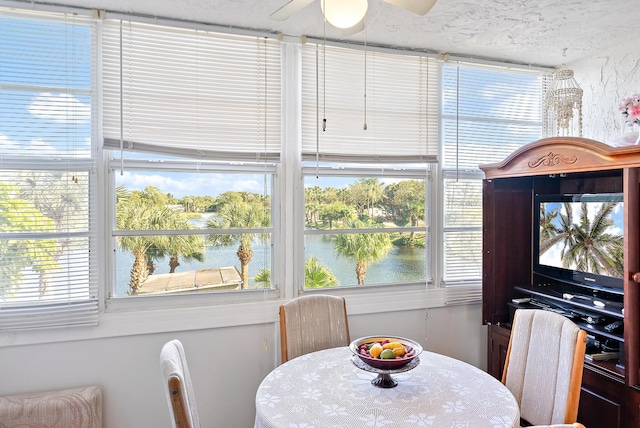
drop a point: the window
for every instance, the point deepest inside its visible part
(488, 112)
(192, 129)
(205, 230)
(366, 228)
(366, 173)
(48, 251)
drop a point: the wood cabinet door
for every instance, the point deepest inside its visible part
(633, 407)
(498, 344)
(631, 179)
(602, 401)
(506, 244)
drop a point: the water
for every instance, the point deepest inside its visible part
(403, 264)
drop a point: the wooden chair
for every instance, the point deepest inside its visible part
(543, 368)
(178, 389)
(311, 323)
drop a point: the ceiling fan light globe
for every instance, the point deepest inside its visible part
(344, 13)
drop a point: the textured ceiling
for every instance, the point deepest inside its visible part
(537, 32)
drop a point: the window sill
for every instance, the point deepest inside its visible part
(128, 322)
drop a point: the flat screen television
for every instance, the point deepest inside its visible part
(579, 239)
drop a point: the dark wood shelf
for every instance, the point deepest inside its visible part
(580, 301)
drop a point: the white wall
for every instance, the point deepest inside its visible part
(606, 78)
(226, 364)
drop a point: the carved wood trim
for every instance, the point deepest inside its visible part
(559, 155)
(552, 160)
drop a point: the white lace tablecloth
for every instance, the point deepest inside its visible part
(325, 389)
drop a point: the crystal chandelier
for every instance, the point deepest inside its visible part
(563, 104)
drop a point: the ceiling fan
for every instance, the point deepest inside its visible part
(348, 15)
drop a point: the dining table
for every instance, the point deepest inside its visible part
(332, 388)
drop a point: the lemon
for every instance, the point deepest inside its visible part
(387, 354)
(400, 351)
(375, 350)
(392, 345)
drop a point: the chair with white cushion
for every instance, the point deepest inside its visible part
(177, 383)
(312, 323)
(543, 368)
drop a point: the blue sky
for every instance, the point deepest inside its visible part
(45, 104)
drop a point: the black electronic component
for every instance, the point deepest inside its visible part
(614, 326)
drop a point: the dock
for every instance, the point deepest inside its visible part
(224, 278)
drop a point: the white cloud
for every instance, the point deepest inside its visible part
(60, 108)
(41, 146)
(7, 144)
(180, 185)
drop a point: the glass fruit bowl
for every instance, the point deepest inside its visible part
(364, 349)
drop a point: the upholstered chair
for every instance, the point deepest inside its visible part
(312, 323)
(177, 386)
(543, 368)
(67, 408)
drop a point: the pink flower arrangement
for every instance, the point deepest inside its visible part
(630, 108)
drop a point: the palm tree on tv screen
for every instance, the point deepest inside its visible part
(593, 249)
(550, 233)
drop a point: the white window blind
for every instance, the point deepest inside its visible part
(48, 253)
(190, 92)
(400, 108)
(488, 112)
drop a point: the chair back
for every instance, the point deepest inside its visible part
(311, 323)
(177, 384)
(543, 368)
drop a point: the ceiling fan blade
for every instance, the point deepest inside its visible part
(419, 7)
(289, 9)
(355, 29)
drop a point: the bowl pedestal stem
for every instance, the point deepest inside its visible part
(384, 380)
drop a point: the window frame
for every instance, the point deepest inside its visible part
(202, 151)
(374, 171)
(469, 290)
(176, 300)
(65, 310)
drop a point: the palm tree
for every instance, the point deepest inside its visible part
(187, 247)
(57, 196)
(550, 234)
(364, 248)
(134, 216)
(263, 277)
(593, 248)
(240, 215)
(146, 211)
(317, 275)
(547, 228)
(19, 215)
(312, 203)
